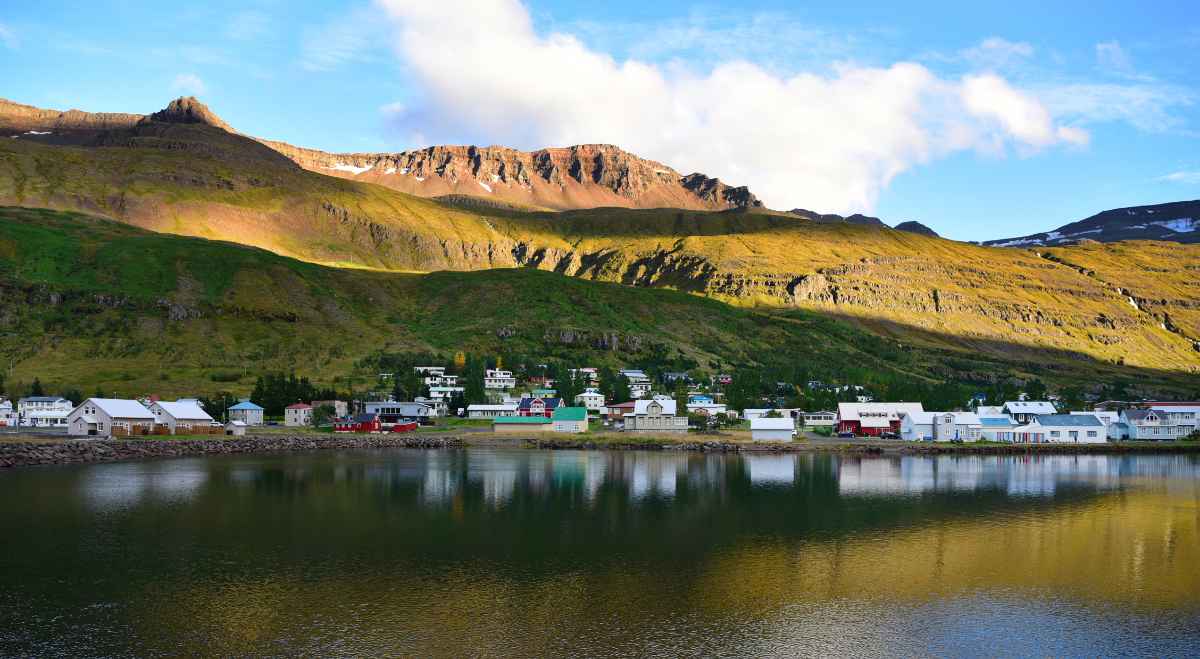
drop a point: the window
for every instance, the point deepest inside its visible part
(1054, 433)
(1091, 433)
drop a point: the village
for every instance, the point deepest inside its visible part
(672, 404)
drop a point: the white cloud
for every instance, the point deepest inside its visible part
(1186, 177)
(348, 38)
(1111, 56)
(829, 142)
(1145, 106)
(997, 53)
(8, 37)
(188, 83)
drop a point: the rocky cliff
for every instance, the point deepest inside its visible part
(1177, 222)
(26, 120)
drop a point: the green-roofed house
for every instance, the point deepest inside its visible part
(570, 419)
(522, 424)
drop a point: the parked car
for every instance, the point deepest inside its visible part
(889, 435)
(845, 435)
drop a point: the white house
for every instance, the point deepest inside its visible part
(1153, 425)
(767, 429)
(820, 419)
(441, 380)
(996, 427)
(8, 416)
(707, 409)
(496, 378)
(445, 393)
(570, 419)
(639, 382)
(247, 412)
(103, 417)
(491, 411)
(1024, 411)
(654, 416)
(44, 411)
(917, 426)
(588, 374)
(591, 399)
(181, 415)
(297, 415)
(236, 428)
(956, 427)
(1069, 428)
(1182, 414)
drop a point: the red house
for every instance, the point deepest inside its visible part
(873, 419)
(362, 423)
(538, 406)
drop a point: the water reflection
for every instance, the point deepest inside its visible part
(535, 553)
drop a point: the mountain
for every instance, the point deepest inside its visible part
(1177, 222)
(856, 219)
(582, 176)
(102, 304)
(1116, 304)
(917, 228)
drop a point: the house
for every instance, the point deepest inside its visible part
(591, 399)
(820, 419)
(1109, 417)
(654, 416)
(639, 383)
(1070, 428)
(359, 423)
(391, 412)
(1028, 434)
(618, 411)
(1153, 425)
(570, 419)
(8, 416)
(1024, 411)
(340, 407)
(236, 428)
(956, 427)
(491, 411)
(297, 414)
(1182, 414)
(767, 429)
(104, 417)
(495, 378)
(671, 377)
(44, 411)
(757, 413)
(996, 427)
(700, 399)
(248, 412)
(723, 379)
(446, 393)
(917, 426)
(873, 419)
(587, 374)
(182, 417)
(706, 409)
(543, 392)
(438, 406)
(522, 424)
(427, 371)
(543, 407)
(441, 380)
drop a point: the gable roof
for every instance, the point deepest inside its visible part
(550, 403)
(854, 411)
(120, 408)
(298, 406)
(570, 414)
(181, 409)
(641, 406)
(921, 418)
(1030, 407)
(1081, 420)
(246, 405)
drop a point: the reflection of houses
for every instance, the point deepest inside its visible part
(182, 415)
(110, 416)
(655, 415)
(873, 419)
(491, 411)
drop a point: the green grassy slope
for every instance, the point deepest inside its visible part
(197, 180)
(90, 302)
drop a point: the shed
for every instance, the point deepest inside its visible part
(236, 428)
(570, 419)
(522, 424)
(764, 429)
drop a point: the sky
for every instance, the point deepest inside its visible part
(980, 121)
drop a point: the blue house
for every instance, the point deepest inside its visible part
(247, 412)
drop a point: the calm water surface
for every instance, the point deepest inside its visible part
(497, 552)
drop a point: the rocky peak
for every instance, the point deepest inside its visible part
(714, 191)
(917, 228)
(857, 218)
(188, 110)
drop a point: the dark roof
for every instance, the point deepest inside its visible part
(551, 403)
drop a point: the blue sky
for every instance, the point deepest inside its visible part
(981, 121)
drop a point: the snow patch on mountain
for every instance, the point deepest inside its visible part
(1178, 225)
(343, 167)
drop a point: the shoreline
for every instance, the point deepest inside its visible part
(33, 453)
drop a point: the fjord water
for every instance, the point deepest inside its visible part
(530, 553)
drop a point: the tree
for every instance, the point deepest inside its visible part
(36, 389)
(323, 415)
(460, 361)
(621, 390)
(773, 414)
(73, 395)
(681, 396)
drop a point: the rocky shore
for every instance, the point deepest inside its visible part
(112, 450)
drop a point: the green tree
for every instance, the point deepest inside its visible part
(36, 389)
(621, 390)
(323, 415)
(681, 396)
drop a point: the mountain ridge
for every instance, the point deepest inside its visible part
(1177, 221)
